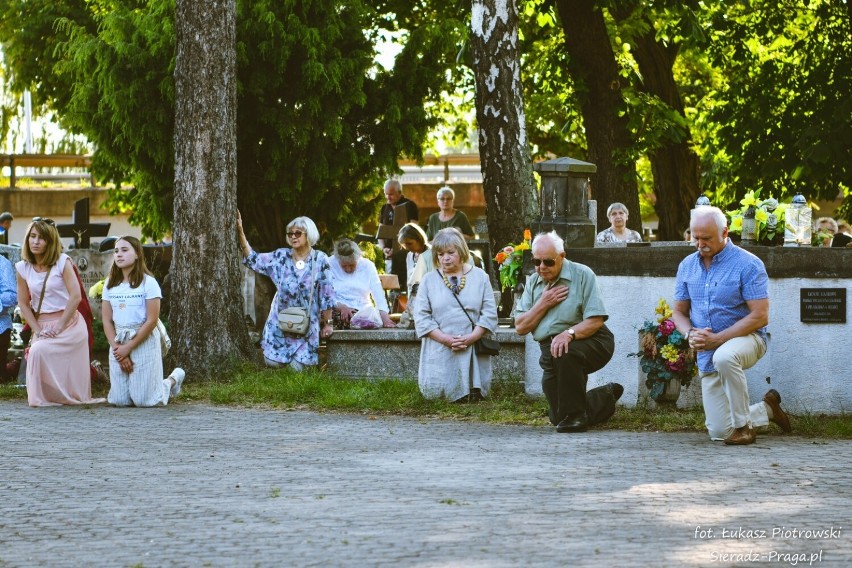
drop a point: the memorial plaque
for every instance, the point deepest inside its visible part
(823, 305)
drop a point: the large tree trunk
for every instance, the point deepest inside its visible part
(206, 313)
(674, 164)
(594, 68)
(511, 197)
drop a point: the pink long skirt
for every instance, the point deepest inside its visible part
(58, 367)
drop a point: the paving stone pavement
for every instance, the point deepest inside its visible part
(197, 485)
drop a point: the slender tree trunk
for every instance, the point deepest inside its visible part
(594, 68)
(206, 314)
(674, 164)
(510, 194)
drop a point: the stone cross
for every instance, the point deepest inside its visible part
(80, 229)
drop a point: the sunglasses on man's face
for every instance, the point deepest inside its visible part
(548, 262)
(44, 220)
(295, 234)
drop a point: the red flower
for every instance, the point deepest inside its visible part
(666, 327)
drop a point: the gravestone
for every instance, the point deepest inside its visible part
(565, 202)
(93, 266)
(389, 233)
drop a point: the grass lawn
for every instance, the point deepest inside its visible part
(320, 391)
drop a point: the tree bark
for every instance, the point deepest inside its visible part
(599, 84)
(511, 197)
(674, 164)
(206, 314)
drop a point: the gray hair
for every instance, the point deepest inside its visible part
(306, 225)
(709, 211)
(831, 222)
(346, 250)
(446, 190)
(617, 205)
(393, 182)
(553, 237)
(446, 239)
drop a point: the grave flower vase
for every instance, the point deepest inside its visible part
(507, 299)
(670, 394)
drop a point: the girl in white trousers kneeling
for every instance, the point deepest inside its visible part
(131, 309)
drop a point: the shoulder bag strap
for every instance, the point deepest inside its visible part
(43, 288)
(472, 325)
(313, 281)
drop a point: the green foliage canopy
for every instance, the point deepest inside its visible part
(319, 123)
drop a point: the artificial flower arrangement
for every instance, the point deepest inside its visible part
(665, 353)
(96, 292)
(511, 260)
(768, 218)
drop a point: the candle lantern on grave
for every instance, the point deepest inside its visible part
(702, 201)
(797, 223)
(749, 226)
(565, 201)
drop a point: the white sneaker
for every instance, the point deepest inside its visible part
(178, 375)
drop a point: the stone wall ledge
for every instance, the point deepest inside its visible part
(504, 335)
(663, 258)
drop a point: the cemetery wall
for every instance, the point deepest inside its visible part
(808, 363)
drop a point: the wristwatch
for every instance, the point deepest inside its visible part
(571, 333)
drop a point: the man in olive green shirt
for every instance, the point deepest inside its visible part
(563, 308)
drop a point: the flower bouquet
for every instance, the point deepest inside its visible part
(97, 290)
(511, 260)
(768, 218)
(665, 353)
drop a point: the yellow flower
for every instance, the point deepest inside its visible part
(670, 353)
(97, 289)
(523, 246)
(749, 199)
(760, 216)
(736, 224)
(663, 310)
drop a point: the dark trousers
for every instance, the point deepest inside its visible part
(5, 339)
(564, 378)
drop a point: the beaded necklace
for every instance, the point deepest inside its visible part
(455, 286)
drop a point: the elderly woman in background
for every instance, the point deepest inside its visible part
(355, 281)
(825, 228)
(448, 216)
(449, 365)
(302, 279)
(618, 232)
(48, 295)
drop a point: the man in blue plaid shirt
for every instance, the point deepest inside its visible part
(722, 306)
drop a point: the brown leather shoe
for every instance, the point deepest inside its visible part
(773, 401)
(742, 436)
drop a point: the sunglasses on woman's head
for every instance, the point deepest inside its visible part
(44, 220)
(548, 262)
(295, 234)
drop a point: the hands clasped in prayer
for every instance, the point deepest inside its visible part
(121, 352)
(460, 342)
(703, 339)
(47, 332)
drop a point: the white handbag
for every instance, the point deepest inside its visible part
(294, 320)
(165, 340)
